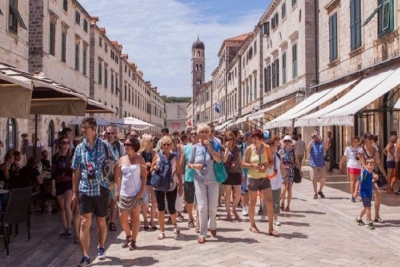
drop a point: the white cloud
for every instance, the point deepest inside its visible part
(158, 36)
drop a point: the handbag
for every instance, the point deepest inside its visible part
(381, 182)
(297, 175)
(220, 172)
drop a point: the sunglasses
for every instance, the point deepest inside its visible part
(128, 145)
(167, 144)
(110, 133)
(287, 141)
(64, 143)
(192, 134)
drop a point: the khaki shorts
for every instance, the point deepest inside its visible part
(318, 173)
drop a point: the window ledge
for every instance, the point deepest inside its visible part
(334, 63)
(357, 51)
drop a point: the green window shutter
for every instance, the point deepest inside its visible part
(386, 8)
(333, 47)
(284, 68)
(352, 25)
(357, 23)
(294, 61)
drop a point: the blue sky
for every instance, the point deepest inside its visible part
(158, 34)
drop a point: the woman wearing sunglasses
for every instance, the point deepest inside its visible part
(201, 160)
(176, 188)
(289, 162)
(257, 161)
(130, 178)
(233, 166)
(61, 173)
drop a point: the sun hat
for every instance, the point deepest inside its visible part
(287, 137)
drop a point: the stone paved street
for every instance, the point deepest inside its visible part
(315, 233)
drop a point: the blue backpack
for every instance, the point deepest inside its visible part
(162, 179)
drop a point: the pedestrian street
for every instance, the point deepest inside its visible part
(318, 232)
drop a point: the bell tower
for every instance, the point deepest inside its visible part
(198, 66)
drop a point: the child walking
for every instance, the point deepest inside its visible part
(366, 181)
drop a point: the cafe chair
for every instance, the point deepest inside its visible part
(17, 211)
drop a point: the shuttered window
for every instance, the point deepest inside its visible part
(294, 61)
(52, 39)
(284, 68)
(77, 56)
(64, 47)
(267, 75)
(333, 41)
(355, 23)
(385, 17)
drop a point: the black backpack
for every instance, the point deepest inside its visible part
(162, 179)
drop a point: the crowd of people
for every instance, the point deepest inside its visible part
(194, 171)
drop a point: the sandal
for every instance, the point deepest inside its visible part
(127, 241)
(378, 220)
(132, 245)
(282, 206)
(153, 226)
(112, 227)
(287, 208)
(254, 230)
(197, 229)
(273, 233)
(229, 217)
(160, 236)
(191, 223)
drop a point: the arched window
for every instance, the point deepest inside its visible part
(197, 67)
(11, 134)
(50, 133)
(198, 53)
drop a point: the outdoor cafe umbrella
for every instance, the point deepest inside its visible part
(134, 123)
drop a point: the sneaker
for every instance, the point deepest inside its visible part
(321, 194)
(353, 199)
(68, 234)
(371, 226)
(85, 261)
(277, 223)
(360, 222)
(245, 211)
(101, 254)
(315, 196)
(63, 234)
(263, 218)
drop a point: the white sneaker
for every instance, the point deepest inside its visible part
(277, 223)
(263, 218)
(245, 211)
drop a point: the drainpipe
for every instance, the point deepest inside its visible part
(316, 17)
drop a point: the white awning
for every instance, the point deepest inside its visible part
(220, 127)
(397, 105)
(310, 103)
(260, 114)
(341, 112)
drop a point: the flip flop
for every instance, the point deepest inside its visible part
(273, 233)
(254, 230)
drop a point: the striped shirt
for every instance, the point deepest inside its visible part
(85, 157)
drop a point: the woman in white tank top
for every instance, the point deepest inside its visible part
(131, 176)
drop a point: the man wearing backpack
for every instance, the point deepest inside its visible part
(119, 151)
(90, 189)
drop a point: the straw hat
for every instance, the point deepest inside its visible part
(287, 137)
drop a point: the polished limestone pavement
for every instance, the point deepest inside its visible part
(318, 232)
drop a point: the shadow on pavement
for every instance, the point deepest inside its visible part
(296, 224)
(141, 261)
(229, 230)
(337, 198)
(293, 235)
(158, 248)
(309, 212)
(288, 215)
(234, 240)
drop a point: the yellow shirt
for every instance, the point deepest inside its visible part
(257, 159)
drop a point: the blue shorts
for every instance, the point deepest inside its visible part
(366, 202)
(243, 186)
(390, 164)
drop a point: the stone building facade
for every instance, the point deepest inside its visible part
(62, 41)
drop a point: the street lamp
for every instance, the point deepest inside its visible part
(300, 95)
